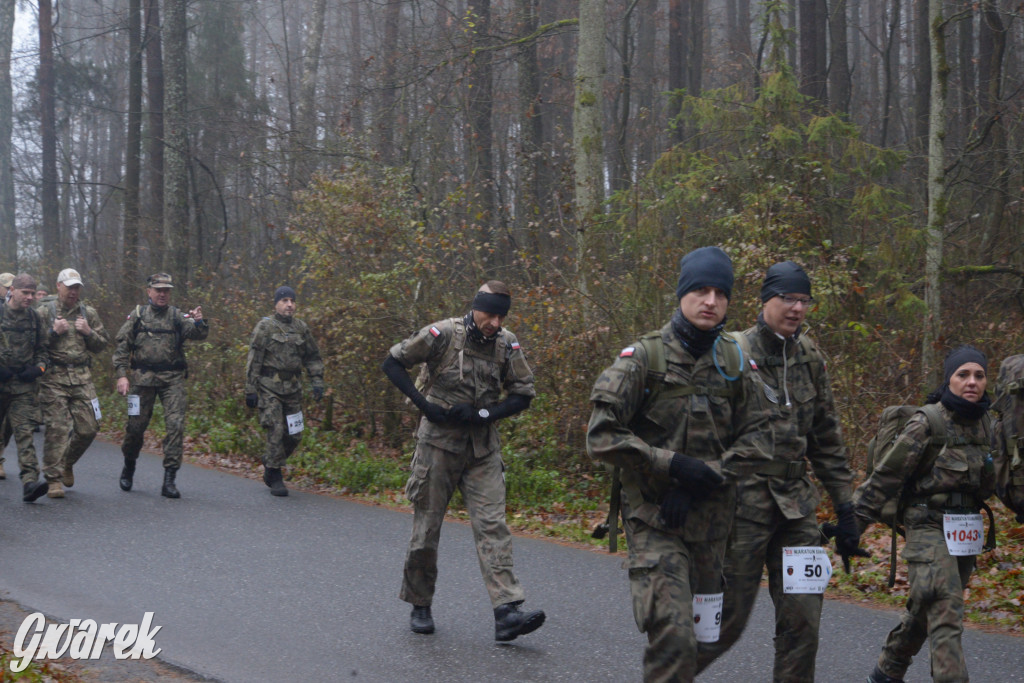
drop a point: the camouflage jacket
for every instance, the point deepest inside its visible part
(805, 427)
(479, 374)
(726, 425)
(22, 344)
(70, 352)
(150, 345)
(279, 349)
(959, 467)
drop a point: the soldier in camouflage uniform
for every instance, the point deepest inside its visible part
(280, 347)
(5, 425)
(955, 480)
(680, 437)
(471, 361)
(776, 506)
(150, 349)
(23, 360)
(67, 396)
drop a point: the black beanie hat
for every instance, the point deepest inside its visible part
(705, 267)
(785, 278)
(284, 292)
(961, 355)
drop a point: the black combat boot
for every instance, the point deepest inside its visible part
(127, 474)
(34, 490)
(169, 489)
(878, 677)
(421, 621)
(272, 477)
(510, 623)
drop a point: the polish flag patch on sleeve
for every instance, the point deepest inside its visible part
(753, 365)
(627, 352)
(515, 346)
(434, 331)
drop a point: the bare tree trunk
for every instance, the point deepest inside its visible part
(177, 226)
(965, 57)
(813, 49)
(479, 105)
(890, 64)
(840, 86)
(155, 139)
(531, 140)
(588, 133)
(618, 179)
(678, 54)
(8, 229)
(52, 251)
(922, 74)
(389, 87)
(937, 208)
(133, 151)
(303, 158)
(992, 47)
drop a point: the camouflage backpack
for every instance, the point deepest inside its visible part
(1009, 405)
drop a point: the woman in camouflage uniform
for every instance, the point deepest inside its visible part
(942, 481)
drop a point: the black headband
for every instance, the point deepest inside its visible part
(487, 302)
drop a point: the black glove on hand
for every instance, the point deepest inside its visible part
(462, 412)
(674, 507)
(318, 393)
(433, 412)
(29, 374)
(693, 475)
(251, 400)
(847, 533)
(5, 374)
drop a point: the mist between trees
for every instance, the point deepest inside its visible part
(387, 157)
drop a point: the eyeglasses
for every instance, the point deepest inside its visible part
(794, 300)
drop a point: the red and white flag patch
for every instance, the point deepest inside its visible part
(627, 352)
(515, 346)
(753, 365)
(434, 331)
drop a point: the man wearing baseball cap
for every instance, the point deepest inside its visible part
(150, 362)
(67, 395)
(23, 360)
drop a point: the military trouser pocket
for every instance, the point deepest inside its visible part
(642, 570)
(416, 487)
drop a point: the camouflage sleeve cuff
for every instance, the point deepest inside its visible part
(840, 496)
(661, 459)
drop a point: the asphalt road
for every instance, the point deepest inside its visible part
(248, 587)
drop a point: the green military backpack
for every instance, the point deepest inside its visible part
(1009, 405)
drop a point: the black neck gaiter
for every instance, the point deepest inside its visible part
(961, 407)
(696, 340)
(474, 333)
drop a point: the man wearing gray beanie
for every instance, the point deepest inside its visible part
(777, 506)
(680, 417)
(281, 346)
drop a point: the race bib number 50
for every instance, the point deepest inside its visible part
(805, 570)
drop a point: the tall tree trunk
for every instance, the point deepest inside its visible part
(840, 85)
(890, 65)
(992, 47)
(531, 139)
(618, 166)
(177, 228)
(389, 86)
(155, 138)
(813, 49)
(52, 251)
(965, 57)
(133, 151)
(588, 131)
(678, 55)
(304, 158)
(922, 74)
(935, 234)
(479, 134)
(8, 229)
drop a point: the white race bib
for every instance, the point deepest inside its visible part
(295, 424)
(133, 404)
(965, 534)
(707, 617)
(805, 570)
(96, 409)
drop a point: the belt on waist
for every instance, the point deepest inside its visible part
(282, 375)
(949, 501)
(791, 469)
(159, 367)
(61, 364)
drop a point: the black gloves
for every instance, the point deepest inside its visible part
(399, 376)
(433, 411)
(674, 507)
(693, 475)
(513, 403)
(251, 400)
(30, 373)
(318, 393)
(465, 412)
(5, 374)
(847, 533)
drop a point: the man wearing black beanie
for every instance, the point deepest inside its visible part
(680, 418)
(776, 506)
(281, 346)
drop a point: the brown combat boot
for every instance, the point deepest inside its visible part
(55, 490)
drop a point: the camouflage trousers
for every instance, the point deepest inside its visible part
(70, 424)
(435, 475)
(752, 545)
(664, 574)
(21, 413)
(935, 606)
(175, 400)
(273, 409)
(5, 428)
